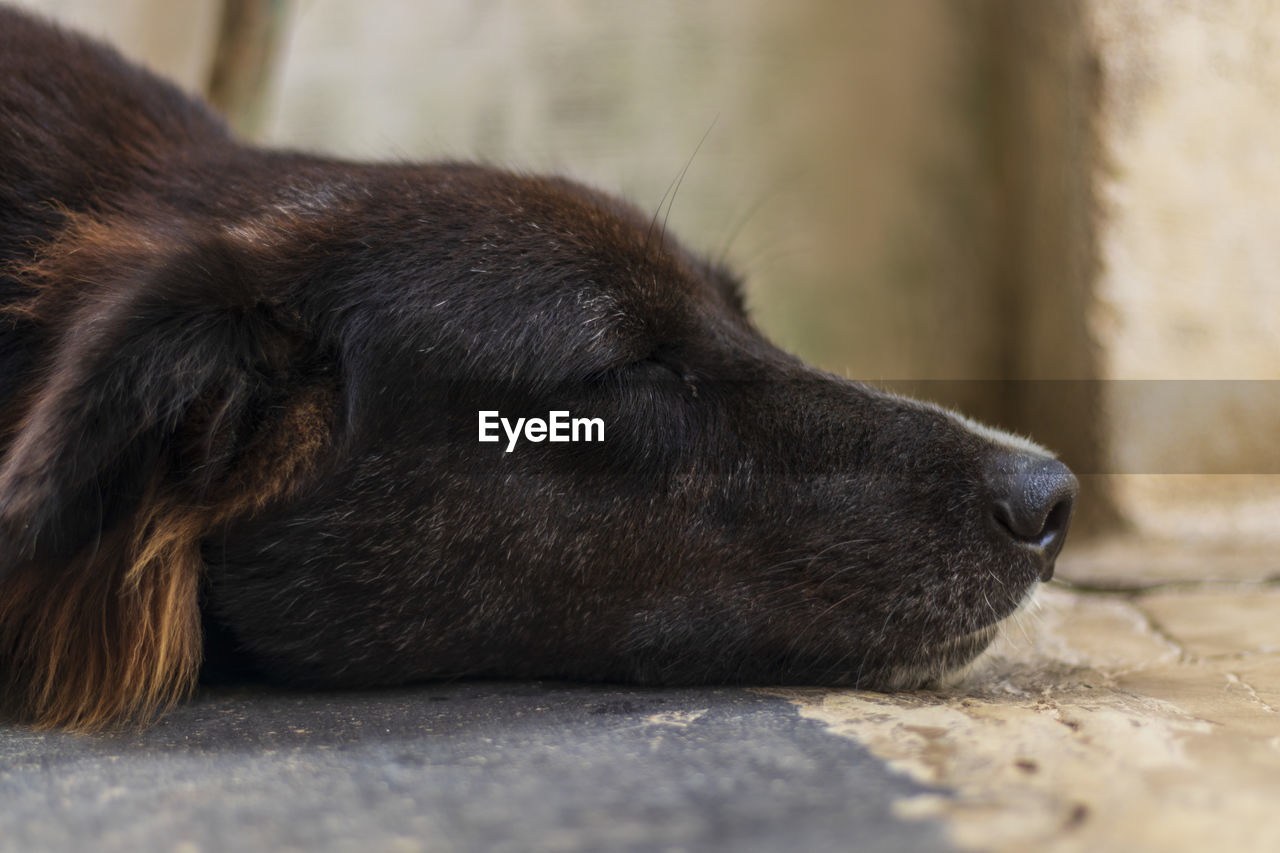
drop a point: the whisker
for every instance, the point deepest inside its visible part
(680, 180)
(656, 213)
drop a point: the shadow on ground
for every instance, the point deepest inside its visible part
(478, 766)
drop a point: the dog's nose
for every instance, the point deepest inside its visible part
(1034, 497)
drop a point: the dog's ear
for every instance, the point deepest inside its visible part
(181, 393)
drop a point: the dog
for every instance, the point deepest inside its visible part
(244, 397)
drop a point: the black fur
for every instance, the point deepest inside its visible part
(171, 292)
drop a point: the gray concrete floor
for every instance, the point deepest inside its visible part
(478, 766)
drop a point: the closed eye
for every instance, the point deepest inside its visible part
(661, 369)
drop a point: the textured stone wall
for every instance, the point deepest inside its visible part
(1189, 280)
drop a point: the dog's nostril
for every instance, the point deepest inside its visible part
(1034, 500)
(1055, 523)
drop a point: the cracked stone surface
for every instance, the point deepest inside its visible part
(1139, 720)
(1235, 622)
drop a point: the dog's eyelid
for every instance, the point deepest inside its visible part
(664, 361)
(641, 359)
(660, 356)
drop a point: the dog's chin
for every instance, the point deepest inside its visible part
(942, 664)
(939, 665)
(977, 641)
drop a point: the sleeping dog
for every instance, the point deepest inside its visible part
(253, 402)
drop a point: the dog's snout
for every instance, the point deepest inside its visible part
(1034, 498)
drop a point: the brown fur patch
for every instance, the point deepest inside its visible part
(113, 637)
(89, 255)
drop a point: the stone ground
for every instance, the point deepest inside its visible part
(1133, 714)
(1135, 706)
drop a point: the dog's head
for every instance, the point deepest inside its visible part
(281, 408)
